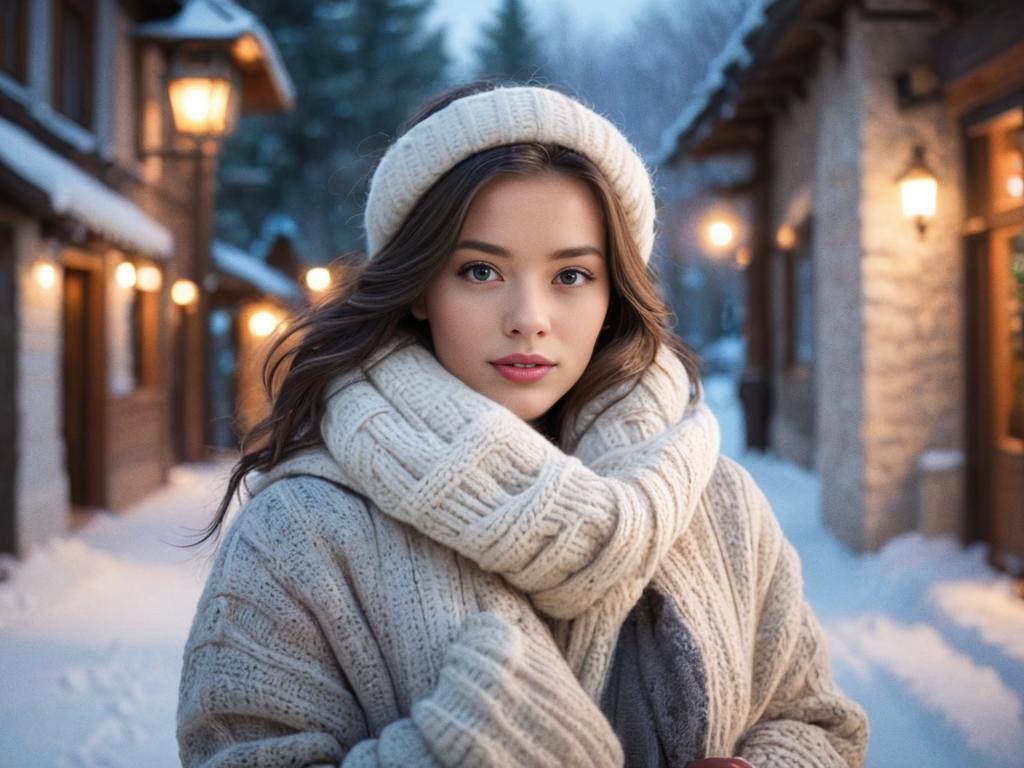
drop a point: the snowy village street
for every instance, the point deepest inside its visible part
(923, 634)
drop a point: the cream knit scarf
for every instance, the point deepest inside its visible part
(429, 451)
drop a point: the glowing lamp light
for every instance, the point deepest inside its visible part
(1015, 185)
(318, 279)
(203, 88)
(918, 192)
(720, 234)
(184, 292)
(201, 105)
(785, 238)
(743, 257)
(45, 274)
(149, 279)
(247, 49)
(125, 274)
(262, 323)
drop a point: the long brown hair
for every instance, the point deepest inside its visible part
(372, 305)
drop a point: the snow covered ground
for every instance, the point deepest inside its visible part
(923, 633)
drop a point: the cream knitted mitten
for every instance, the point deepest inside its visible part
(507, 698)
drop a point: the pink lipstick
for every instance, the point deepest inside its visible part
(523, 368)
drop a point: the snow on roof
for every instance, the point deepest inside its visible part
(733, 55)
(73, 192)
(274, 226)
(223, 21)
(238, 263)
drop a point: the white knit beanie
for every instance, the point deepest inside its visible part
(431, 148)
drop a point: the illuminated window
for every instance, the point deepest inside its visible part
(1015, 310)
(1007, 167)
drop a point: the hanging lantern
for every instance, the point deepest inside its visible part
(204, 92)
(918, 192)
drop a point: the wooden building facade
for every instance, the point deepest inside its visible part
(889, 359)
(97, 221)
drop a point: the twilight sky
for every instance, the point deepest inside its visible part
(464, 17)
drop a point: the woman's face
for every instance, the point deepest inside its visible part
(517, 309)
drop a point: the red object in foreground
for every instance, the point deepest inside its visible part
(719, 762)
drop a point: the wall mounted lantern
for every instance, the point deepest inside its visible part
(318, 279)
(720, 234)
(45, 274)
(184, 292)
(918, 191)
(149, 278)
(125, 274)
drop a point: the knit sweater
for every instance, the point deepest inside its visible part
(440, 585)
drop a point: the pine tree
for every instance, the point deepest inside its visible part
(510, 49)
(360, 67)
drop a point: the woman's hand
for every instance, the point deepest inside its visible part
(507, 697)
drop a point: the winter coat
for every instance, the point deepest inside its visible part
(438, 584)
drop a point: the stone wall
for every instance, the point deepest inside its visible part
(794, 155)
(913, 313)
(41, 485)
(839, 342)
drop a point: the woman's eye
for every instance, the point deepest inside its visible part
(571, 277)
(480, 273)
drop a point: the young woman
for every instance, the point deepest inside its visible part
(489, 524)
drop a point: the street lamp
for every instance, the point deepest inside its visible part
(221, 61)
(203, 89)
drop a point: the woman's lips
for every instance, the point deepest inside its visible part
(522, 374)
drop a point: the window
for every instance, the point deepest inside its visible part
(14, 39)
(150, 95)
(1007, 172)
(800, 304)
(74, 26)
(1014, 307)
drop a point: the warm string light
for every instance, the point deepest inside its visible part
(318, 279)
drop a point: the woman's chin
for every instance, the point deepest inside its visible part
(526, 407)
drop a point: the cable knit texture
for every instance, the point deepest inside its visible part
(440, 585)
(495, 118)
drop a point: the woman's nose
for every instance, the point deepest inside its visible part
(527, 313)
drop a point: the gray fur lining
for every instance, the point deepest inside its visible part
(655, 695)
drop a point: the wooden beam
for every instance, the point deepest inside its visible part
(1000, 76)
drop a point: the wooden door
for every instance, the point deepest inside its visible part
(77, 379)
(1006, 409)
(995, 337)
(8, 392)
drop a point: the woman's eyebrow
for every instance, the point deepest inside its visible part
(497, 250)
